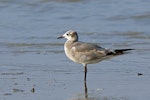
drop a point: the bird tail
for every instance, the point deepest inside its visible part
(118, 51)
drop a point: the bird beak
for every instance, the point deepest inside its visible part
(60, 37)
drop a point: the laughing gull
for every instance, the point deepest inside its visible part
(86, 53)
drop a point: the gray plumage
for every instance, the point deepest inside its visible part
(86, 53)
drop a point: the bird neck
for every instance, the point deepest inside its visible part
(72, 40)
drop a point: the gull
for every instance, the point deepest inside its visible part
(86, 53)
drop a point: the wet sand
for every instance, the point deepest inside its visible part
(112, 79)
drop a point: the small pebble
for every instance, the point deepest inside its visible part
(139, 74)
(33, 90)
(7, 93)
(28, 79)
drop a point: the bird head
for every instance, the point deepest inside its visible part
(70, 36)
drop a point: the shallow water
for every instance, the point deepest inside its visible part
(33, 64)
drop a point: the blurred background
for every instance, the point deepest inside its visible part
(32, 58)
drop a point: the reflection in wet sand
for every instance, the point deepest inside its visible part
(86, 90)
(91, 96)
(84, 96)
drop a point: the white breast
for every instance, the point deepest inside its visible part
(69, 54)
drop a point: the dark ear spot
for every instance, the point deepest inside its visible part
(74, 33)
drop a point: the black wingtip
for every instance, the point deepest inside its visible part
(121, 51)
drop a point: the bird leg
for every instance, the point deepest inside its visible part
(85, 72)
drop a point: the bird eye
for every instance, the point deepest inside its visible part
(67, 34)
